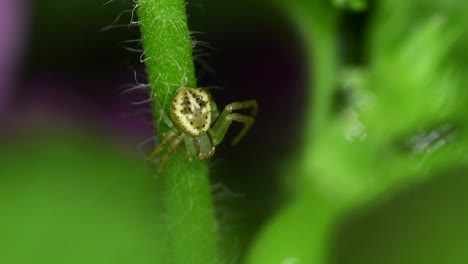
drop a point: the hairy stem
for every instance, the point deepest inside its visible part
(187, 218)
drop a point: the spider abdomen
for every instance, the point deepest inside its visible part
(191, 110)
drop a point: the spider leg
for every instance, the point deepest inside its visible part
(167, 137)
(161, 113)
(170, 149)
(225, 119)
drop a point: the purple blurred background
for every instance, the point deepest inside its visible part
(56, 63)
(14, 20)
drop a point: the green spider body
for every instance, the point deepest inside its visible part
(196, 123)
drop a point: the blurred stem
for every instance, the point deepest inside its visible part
(300, 232)
(187, 217)
(317, 22)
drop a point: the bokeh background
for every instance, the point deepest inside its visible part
(74, 187)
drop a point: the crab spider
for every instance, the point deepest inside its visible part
(196, 124)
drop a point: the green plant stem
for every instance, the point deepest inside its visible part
(187, 217)
(300, 232)
(317, 22)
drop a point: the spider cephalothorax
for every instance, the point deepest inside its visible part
(196, 122)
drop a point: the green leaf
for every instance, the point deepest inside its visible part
(70, 197)
(405, 121)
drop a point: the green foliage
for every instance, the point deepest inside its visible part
(355, 5)
(67, 196)
(404, 121)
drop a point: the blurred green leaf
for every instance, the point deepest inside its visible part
(423, 224)
(405, 121)
(68, 197)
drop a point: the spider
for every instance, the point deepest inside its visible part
(196, 124)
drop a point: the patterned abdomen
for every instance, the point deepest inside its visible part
(191, 110)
